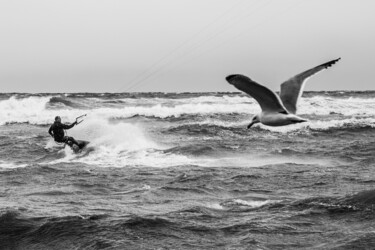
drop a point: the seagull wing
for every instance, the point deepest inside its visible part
(267, 99)
(292, 89)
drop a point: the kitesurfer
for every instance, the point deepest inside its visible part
(57, 132)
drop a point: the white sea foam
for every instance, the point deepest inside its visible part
(219, 99)
(32, 110)
(225, 99)
(306, 126)
(36, 110)
(252, 204)
(4, 164)
(22, 110)
(323, 125)
(320, 105)
(176, 111)
(257, 160)
(119, 145)
(216, 206)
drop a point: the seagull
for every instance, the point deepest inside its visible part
(277, 110)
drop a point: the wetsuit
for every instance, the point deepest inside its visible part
(57, 132)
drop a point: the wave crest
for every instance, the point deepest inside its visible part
(39, 109)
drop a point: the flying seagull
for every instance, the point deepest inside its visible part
(277, 110)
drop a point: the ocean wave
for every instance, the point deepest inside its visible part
(259, 228)
(146, 222)
(13, 223)
(363, 201)
(19, 231)
(365, 198)
(161, 111)
(325, 125)
(11, 165)
(22, 110)
(206, 211)
(365, 240)
(34, 110)
(191, 149)
(319, 105)
(42, 109)
(214, 126)
(240, 205)
(175, 189)
(62, 103)
(49, 193)
(60, 100)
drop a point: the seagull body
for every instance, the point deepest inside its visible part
(278, 119)
(277, 110)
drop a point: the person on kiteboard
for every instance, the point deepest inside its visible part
(57, 132)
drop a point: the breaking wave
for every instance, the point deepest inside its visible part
(40, 110)
(362, 201)
(117, 145)
(214, 125)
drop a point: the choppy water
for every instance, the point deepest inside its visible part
(181, 171)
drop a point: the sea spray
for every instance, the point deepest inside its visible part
(118, 144)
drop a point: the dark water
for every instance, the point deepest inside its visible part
(181, 171)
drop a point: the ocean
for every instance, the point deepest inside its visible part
(181, 171)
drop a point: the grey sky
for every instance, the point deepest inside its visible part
(182, 45)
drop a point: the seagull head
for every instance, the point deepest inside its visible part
(254, 120)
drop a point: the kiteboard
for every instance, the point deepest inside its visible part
(82, 146)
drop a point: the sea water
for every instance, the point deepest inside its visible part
(181, 171)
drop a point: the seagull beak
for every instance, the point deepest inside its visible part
(251, 124)
(302, 120)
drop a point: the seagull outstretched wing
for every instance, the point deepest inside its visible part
(267, 99)
(292, 89)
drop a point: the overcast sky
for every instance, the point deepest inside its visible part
(183, 45)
